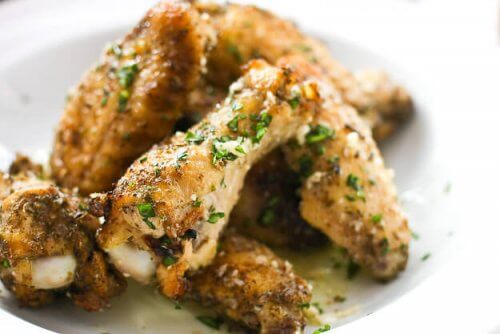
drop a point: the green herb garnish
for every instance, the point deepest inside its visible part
(426, 257)
(263, 121)
(319, 133)
(126, 75)
(123, 98)
(169, 260)
(294, 102)
(323, 329)
(147, 211)
(5, 263)
(377, 218)
(194, 137)
(233, 124)
(352, 269)
(214, 217)
(209, 321)
(105, 96)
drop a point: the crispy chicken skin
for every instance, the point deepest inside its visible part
(347, 192)
(131, 99)
(249, 284)
(46, 243)
(246, 32)
(174, 201)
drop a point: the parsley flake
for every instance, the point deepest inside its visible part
(214, 217)
(147, 211)
(323, 329)
(5, 263)
(209, 321)
(319, 133)
(194, 137)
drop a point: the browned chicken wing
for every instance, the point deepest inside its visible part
(347, 192)
(46, 243)
(172, 203)
(249, 284)
(247, 32)
(131, 99)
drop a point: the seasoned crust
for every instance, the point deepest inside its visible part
(249, 284)
(131, 99)
(40, 221)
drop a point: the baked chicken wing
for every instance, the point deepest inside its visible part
(47, 243)
(249, 284)
(247, 32)
(173, 202)
(131, 99)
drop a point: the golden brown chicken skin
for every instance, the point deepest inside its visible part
(347, 192)
(174, 201)
(247, 32)
(249, 284)
(131, 99)
(46, 244)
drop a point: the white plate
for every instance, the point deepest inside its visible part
(47, 50)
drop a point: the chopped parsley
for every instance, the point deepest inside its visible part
(323, 329)
(385, 246)
(169, 260)
(214, 217)
(194, 137)
(143, 159)
(126, 75)
(294, 102)
(233, 124)
(305, 165)
(123, 98)
(105, 96)
(352, 269)
(196, 203)
(268, 215)
(426, 257)
(235, 52)
(263, 121)
(319, 133)
(209, 321)
(377, 218)
(5, 263)
(353, 182)
(147, 211)
(220, 153)
(414, 235)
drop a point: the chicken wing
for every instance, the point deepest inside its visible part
(46, 243)
(347, 192)
(173, 202)
(247, 32)
(249, 284)
(131, 99)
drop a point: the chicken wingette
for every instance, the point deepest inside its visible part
(247, 32)
(347, 192)
(47, 243)
(249, 284)
(131, 99)
(172, 204)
